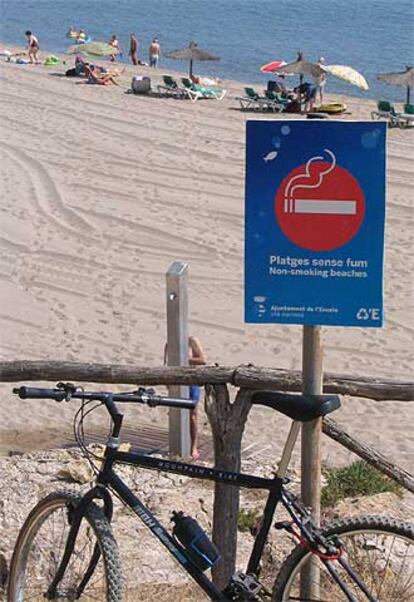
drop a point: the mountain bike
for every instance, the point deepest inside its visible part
(66, 549)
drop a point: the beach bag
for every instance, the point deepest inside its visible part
(71, 72)
(140, 85)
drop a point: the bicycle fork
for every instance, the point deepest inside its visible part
(75, 517)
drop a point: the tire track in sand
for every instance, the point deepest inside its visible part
(46, 194)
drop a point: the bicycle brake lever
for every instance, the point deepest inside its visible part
(69, 389)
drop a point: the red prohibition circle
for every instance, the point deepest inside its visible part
(318, 209)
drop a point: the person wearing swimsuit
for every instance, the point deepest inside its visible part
(115, 44)
(154, 53)
(32, 46)
(196, 357)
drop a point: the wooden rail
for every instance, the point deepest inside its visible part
(248, 377)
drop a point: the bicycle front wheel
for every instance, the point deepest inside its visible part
(380, 551)
(39, 549)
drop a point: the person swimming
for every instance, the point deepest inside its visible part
(81, 36)
(72, 33)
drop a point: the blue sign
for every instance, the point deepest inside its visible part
(314, 230)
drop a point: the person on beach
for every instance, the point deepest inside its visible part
(115, 44)
(284, 90)
(81, 37)
(306, 95)
(32, 46)
(196, 357)
(80, 65)
(96, 76)
(133, 49)
(320, 80)
(154, 53)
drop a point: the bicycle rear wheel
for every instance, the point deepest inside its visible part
(39, 549)
(379, 550)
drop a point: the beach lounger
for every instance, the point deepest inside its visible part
(202, 91)
(385, 110)
(406, 118)
(171, 88)
(278, 103)
(253, 101)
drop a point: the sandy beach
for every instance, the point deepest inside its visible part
(102, 190)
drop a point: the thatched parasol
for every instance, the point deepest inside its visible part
(400, 78)
(192, 53)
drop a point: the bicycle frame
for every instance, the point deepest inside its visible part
(108, 478)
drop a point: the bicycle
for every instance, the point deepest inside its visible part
(66, 549)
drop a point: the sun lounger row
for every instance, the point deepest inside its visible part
(271, 101)
(386, 110)
(188, 89)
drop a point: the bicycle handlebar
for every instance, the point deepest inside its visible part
(65, 392)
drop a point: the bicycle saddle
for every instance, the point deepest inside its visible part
(297, 406)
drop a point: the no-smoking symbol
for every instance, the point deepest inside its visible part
(320, 206)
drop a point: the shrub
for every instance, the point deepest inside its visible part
(246, 520)
(357, 479)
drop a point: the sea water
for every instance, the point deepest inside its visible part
(373, 36)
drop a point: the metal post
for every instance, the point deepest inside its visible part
(312, 383)
(177, 355)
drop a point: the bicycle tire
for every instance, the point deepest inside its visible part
(387, 568)
(38, 551)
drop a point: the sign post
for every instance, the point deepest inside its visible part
(314, 244)
(312, 384)
(177, 353)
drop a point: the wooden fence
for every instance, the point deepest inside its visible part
(228, 418)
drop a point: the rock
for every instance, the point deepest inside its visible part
(76, 471)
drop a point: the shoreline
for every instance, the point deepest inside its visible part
(181, 70)
(103, 190)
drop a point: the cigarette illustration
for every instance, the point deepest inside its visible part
(308, 180)
(322, 206)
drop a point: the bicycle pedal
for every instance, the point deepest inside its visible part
(245, 588)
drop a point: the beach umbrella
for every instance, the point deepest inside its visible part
(271, 67)
(299, 67)
(302, 67)
(192, 53)
(348, 74)
(400, 78)
(94, 49)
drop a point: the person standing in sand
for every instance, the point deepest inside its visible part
(32, 46)
(154, 53)
(320, 80)
(196, 357)
(115, 44)
(133, 49)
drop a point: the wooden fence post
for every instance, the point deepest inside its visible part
(227, 422)
(177, 353)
